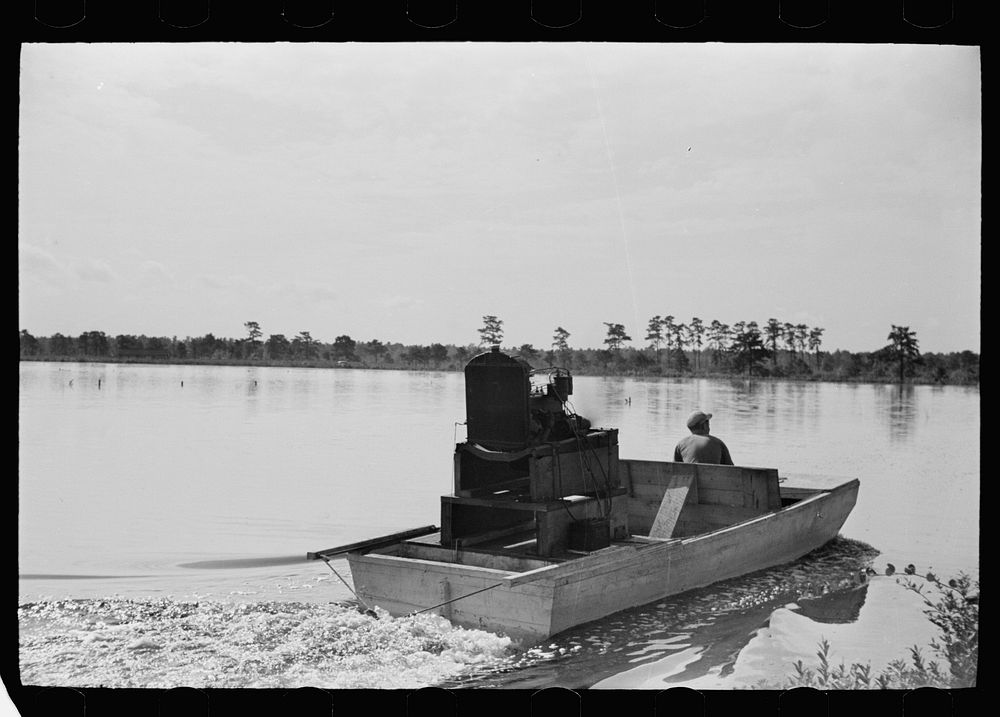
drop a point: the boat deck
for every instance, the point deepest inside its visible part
(520, 543)
(523, 545)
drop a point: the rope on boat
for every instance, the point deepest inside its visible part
(460, 597)
(368, 610)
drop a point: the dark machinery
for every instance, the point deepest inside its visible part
(530, 465)
(507, 411)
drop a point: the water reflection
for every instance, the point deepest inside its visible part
(252, 386)
(898, 405)
(835, 607)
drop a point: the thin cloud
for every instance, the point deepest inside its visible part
(34, 263)
(400, 302)
(96, 270)
(155, 271)
(225, 282)
(310, 291)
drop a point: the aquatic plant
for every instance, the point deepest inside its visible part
(955, 614)
(897, 675)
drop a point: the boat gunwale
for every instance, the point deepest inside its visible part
(458, 568)
(820, 495)
(459, 555)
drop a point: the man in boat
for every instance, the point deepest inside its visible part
(700, 447)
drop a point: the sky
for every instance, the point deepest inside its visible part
(403, 191)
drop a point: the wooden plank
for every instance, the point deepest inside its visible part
(499, 533)
(647, 491)
(645, 540)
(372, 543)
(696, 519)
(625, 472)
(398, 572)
(573, 471)
(447, 533)
(482, 559)
(553, 527)
(712, 496)
(522, 612)
(614, 465)
(546, 449)
(750, 495)
(764, 488)
(646, 479)
(512, 485)
(716, 477)
(674, 497)
(713, 517)
(643, 493)
(658, 471)
(685, 528)
(539, 482)
(654, 491)
(531, 575)
(499, 503)
(418, 586)
(469, 519)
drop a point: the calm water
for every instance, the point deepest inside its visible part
(166, 511)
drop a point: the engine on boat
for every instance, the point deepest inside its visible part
(509, 406)
(530, 463)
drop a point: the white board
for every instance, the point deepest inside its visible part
(670, 507)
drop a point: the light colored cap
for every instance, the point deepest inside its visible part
(697, 417)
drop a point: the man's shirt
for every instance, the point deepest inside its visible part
(702, 449)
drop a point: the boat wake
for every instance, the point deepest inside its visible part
(162, 643)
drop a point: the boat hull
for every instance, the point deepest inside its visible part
(534, 604)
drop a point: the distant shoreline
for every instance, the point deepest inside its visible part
(323, 364)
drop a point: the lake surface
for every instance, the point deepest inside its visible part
(165, 511)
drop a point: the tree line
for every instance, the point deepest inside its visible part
(773, 349)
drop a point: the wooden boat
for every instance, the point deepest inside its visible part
(555, 534)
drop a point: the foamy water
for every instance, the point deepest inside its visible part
(163, 643)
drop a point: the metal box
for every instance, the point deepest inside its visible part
(590, 534)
